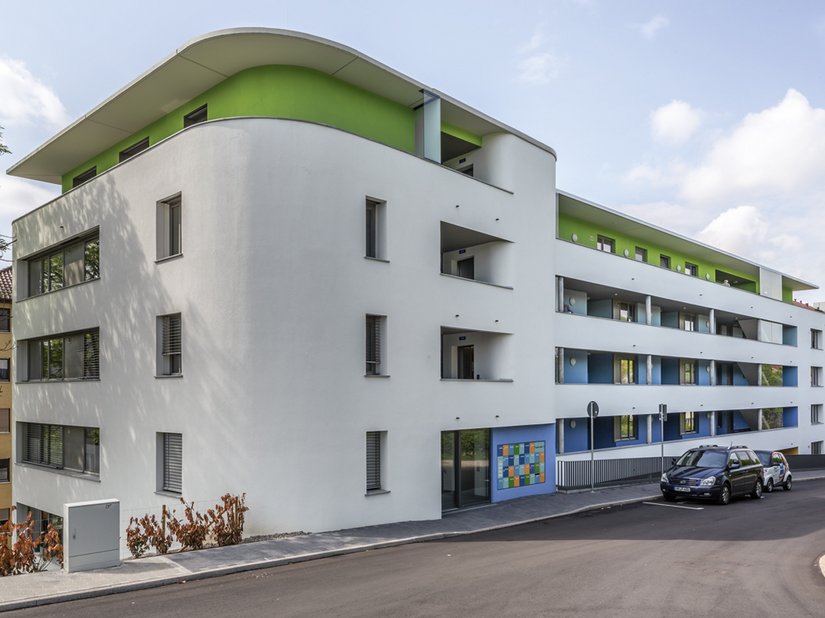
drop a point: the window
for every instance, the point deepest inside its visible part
(664, 261)
(816, 376)
(816, 448)
(626, 312)
(375, 327)
(375, 245)
(5, 369)
(688, 372)
(5, 320)
(625, 370)
(81, 178)
(4, 470)
(169, 227)
(171, 464)
(816, 414)
(75, 356)
(5, 514)
(688, 321)
(816, 339)
(132, 150)
(608, 245)
(169, 327)
(63, 447)
(641, 254)
(5, 420)
(691, 269)
(624, 427)
(374, 455)
(467, 268)
(70, 264)
(194, 117)
(688, 420)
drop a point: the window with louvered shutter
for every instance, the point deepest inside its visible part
(4, 470)
(373, 460)
(172, 462)
(374, 332)
(170, 344)
(91, 355)
(5, 420)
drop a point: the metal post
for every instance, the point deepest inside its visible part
(592, 458)
(662, 436)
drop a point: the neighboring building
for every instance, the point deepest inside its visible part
(5, 393)
(282, 268)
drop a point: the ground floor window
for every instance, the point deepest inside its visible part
(624, 427)
(465, 467)
(689, 424)
(816, 448)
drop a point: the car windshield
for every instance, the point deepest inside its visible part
(765, 458)
(703, 459)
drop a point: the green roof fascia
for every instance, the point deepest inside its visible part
(280, 91)
(587, 234)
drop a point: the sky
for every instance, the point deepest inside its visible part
(704, 117)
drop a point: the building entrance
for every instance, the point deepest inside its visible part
(465, 468)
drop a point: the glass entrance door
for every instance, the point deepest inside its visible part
(465, 468)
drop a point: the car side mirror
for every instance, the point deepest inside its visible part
(733, 465)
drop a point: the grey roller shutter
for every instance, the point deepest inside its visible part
(373, 345)
(171, 335)
(373, 460)
(91, 355)
(173, 462)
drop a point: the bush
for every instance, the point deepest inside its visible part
(19, 545)
(222, 525)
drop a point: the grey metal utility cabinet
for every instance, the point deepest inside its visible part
(91, 535)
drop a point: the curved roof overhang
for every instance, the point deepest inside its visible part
(209, 59)
(636, 228)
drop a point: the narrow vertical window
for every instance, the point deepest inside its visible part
(375, 364)
(5, 420)
(374, 456)
(664, 261)
(816, 414)
(170, 345)
(5, 369)
(169, 227)
(5, 320)
(375, 246)
(688, 422)
(171, 472)
(641, 254)
(691, 269)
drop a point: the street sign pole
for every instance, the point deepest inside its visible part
(662, 417)
(592, 412)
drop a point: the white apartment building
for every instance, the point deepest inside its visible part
(281, 268)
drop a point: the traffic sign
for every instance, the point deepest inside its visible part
(592, 409)
(663, 411)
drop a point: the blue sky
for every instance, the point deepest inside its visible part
(705, 117)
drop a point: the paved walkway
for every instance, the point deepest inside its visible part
(56, 586)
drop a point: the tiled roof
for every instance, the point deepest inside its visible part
(5, 284)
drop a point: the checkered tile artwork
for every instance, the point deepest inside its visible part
(520, 464)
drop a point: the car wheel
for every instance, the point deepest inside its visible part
(769, 486)
(787, 485)
(724, 495)
(669, 497)
(757, 490)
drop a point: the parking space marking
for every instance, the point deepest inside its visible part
(676, 506)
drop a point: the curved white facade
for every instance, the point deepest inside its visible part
(272, 287)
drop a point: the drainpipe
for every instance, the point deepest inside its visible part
(712, 321)
(649, 370)
(560, 299)
(712, 416)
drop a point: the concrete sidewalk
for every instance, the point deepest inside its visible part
(57, 586)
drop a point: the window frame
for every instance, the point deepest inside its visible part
(5, 477)
(816, 339)
(605, 244)
(625, 367)
(84, 177)
(170, 345)
(193, 117)
(375, 239)
(816, 376)
(169, 470)
(89, 349)
(688, 423)
(5, 318)
(664, 261)
(688, 369)
(134, 149)
(641, 254)
(375, 351)
(376, 462)
(54, 455)
(5, 420)
(44, 261)
(691, 269)
(170, 227)
(625, 428)
(816, 414)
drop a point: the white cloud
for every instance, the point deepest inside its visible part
(650, 28)
(675, 123)
(778, 151)
(18, 196)
(24, 99)
(538, 65)
(669, 215)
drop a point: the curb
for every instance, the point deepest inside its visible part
(274, 562)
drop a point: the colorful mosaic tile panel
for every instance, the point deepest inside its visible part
(520, 464)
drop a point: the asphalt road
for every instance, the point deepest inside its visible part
(751, 558)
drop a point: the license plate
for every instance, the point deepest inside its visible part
(685, 489)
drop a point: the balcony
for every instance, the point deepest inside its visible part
(475, 256)
(475, 355)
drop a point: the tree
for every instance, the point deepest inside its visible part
(3, 149)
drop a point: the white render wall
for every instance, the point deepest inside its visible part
(273, 288)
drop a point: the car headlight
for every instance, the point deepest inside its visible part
(711, 480)
(664, 478)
